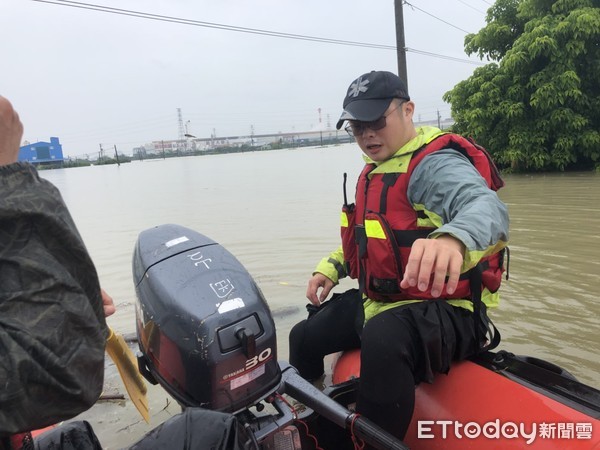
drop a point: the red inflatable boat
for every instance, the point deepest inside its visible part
(497, 401)
(207, 336)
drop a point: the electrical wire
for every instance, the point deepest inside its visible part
(182, 21)
(436, 17)
(449, 58)
(163, 18)
(471, 6)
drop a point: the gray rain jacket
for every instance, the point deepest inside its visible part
(52, 326)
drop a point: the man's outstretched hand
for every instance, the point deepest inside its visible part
(441, 257)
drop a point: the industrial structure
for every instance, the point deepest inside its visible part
(46, 153)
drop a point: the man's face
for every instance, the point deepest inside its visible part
(381, 144)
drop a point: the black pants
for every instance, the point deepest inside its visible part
(400, 348)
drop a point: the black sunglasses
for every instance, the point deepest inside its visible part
(357, 127)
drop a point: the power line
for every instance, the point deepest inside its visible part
(449, 58)
(183, 21)
(435, 17)
(471, 6)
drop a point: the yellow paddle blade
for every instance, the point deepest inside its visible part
(119, 352)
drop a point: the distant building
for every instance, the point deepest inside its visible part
(442, 124)
(42, 152)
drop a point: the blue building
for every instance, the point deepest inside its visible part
(43, 153)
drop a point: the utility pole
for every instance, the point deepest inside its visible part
(439, 117)
(188, 136)
(181, 130)
(117, 156)
(320, 127)
(400, 44)
(100, 154)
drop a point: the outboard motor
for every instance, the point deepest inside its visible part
(204, 328)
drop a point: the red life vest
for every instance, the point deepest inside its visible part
(378, 261)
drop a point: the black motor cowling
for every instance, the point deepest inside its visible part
(204, 329)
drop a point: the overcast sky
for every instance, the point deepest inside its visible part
(91, 77)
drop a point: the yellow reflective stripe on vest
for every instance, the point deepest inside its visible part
(432, 220)
(373, 229)
(373, 307)
(344, 220)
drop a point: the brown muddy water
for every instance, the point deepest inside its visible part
(278, 213)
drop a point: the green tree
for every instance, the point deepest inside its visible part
(536, 105)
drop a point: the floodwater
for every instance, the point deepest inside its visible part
(278, 213)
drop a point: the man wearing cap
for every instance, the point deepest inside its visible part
(425, 239)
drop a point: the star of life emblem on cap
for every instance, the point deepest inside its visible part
(358, 86)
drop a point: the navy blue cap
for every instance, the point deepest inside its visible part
(370, 95)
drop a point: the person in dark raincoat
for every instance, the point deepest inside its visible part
(52, 317)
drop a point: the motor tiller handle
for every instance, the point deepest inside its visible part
(303, 391)
(372, 434)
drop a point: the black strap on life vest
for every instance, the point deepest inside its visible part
(507, 260)
(406, 238)
(344, 187)
(388, 179)
(480, 317)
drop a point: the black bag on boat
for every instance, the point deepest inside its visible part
(69, 436)
(195, 429)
